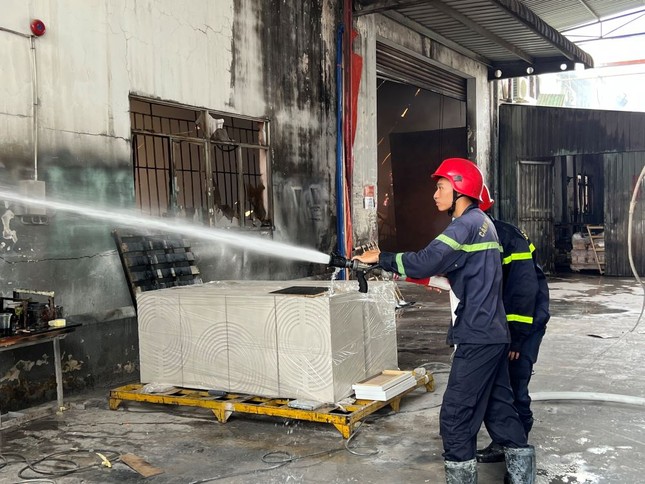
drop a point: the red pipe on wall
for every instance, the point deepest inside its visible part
(353, 71)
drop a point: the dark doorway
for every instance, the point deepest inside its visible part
(415, 157)
(417, 129)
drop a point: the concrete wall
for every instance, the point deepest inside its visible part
(273, 59)
(479, 112)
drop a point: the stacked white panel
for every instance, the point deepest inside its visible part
(238, 336)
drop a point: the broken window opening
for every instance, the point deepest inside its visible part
(584, 194)
(201, 165)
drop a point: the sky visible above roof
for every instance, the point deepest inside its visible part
(616, 40)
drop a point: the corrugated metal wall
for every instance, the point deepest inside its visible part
(621, 173)
(538, 133)
(535, 214)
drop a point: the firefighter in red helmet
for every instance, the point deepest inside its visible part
(526, 302)
(479, 390)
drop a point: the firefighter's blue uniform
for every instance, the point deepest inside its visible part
(468, 253)
(526, 301)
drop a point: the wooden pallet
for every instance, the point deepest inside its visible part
(344, 419)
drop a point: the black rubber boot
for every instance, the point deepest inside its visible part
(461, 472)
(493, 453)
(520, 465)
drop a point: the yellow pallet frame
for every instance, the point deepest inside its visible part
(224, 406)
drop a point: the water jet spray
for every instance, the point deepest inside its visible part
(137, 220)
(268, 247)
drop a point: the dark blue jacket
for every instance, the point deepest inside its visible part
(468, 253)
(526, 293)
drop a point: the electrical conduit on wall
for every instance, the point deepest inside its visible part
(40, 30)
(340, 168)
(348, 121)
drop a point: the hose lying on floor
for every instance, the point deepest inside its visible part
(590, 396)
(632, 265)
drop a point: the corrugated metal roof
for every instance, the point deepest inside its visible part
(550, 99)
(503, 34)
(564, 14)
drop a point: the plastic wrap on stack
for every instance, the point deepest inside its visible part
(238, 336)
(379, 330)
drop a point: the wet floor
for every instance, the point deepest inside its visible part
(591, 345)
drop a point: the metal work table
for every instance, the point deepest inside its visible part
(54, 335)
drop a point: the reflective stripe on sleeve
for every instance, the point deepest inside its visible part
(517, 256)
(453, 244)
(399, 264)
(519, 319)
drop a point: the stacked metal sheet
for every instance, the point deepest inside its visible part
(243, 337)
(385, 386)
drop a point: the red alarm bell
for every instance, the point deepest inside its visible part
(37, 27)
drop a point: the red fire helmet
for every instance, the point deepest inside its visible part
(486, 202)
(463, 175)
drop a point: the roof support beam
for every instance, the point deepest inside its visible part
(451, 12)
(483, 43)
(525, 15)
(506, 70)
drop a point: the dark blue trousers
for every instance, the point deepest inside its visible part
(520, 371)
(479, 390)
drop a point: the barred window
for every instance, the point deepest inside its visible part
(202, 165)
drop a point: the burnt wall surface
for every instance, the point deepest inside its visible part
(298, 89)
(282, 61)
(537, 133)
(75, 257)
(103, 351)
(540, 133)
(299, 67)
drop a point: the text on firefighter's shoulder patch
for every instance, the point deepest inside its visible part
(484, 228)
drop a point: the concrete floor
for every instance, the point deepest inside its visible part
(576, 442)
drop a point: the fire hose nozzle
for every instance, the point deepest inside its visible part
(336, 260)
(358, 267)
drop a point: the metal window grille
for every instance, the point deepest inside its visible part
(181, 169)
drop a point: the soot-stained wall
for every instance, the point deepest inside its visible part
(273, 59)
